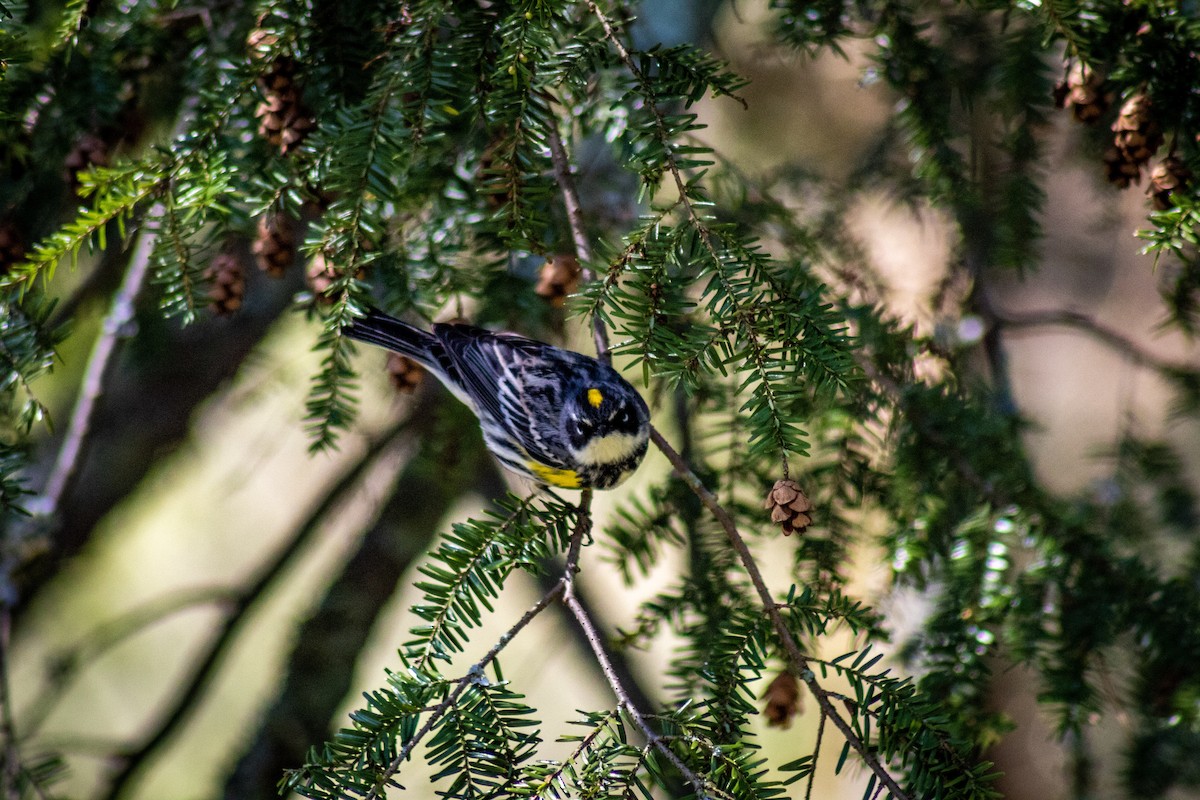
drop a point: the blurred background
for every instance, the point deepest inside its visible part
(199, 502)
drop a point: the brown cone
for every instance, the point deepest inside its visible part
(789, 506)
(783, 700)
(275, 247)
(1170, 176)
(283, 119)
(1083, 92)
(559, 278)
(1136, 138)
(405, 373)
(226, 284)
(320, 276)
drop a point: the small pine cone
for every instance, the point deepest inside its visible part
(1120, 170)
(260, 42)
(1083, 93)
(1170, 176)
(559, 278)
(226, 284)
(405, 373)
(789, 506)
(89, 151)
(295, 128)
(783, 700)
(283, 119)
(12, 246)
(275, 248)
(1137, 134)
(320, 276)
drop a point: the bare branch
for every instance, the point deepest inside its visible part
(583, 249)
(116, 326)
(618, 689)
(1097, 330)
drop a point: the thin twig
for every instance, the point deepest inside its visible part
(566, 183)
(795, 656)
(812, 775)
(472, 676)
(114, 328)
(618, 689)
(1082, 322)
(583, 248)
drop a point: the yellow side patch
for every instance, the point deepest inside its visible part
(565, 478)
(595, 398)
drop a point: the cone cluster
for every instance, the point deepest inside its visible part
(226, 284)
(406, 375)
(789, 506)
(275, 246)
(559, 278)
(1083, 93)
(1136, 138)
(283, 118)
(783, 700)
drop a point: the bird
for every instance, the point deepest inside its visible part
(558, 417)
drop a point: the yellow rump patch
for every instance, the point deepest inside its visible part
(595, 398)
(565, 478)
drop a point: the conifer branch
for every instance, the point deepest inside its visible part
(758, 351)
(791, 648)
(474, 674)
(618, 689)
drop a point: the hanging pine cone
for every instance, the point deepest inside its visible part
(283, 119)
(320, 277)
(783, 700)
(559, 278)
(260, 42)
(406, 374)
(1083, 92)
(1170, 176)
(12, 246)
(1136, 138)
(275, 248)
(789, 506)
(89, 151)
(226, 284)
(1119, 170)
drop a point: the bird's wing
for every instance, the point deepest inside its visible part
(502, 373)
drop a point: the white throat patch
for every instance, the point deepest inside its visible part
(611, 449)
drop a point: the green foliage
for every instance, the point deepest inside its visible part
(429, 182)
(471, 565)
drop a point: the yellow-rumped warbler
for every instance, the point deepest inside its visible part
(549, 414)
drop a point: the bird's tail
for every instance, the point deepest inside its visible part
(386, 331)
